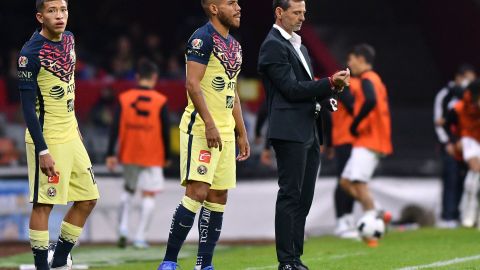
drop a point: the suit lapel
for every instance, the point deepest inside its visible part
(292, 49)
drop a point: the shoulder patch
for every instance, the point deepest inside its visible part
(197, 43)
(22, 61)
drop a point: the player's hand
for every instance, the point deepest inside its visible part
(440, 122)
(266, 157)
(450, 149)
(168, 163)
(213, 137)
(328, 151)
(353, 130)
(47, 165)
(243, 148)
(111, 163)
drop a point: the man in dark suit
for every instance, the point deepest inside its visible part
(294, 100)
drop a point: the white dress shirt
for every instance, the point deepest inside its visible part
(296, 41)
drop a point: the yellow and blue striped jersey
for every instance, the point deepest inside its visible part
(47, 67)
(223, 58)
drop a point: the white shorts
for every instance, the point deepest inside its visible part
(470, 148)
(144, 178)
(361, 164)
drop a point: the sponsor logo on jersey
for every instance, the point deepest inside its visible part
(218, 84)
(204, 156)
(202, 170)
(57, 92)
(54, 179)
(22, 61)
(229, 101)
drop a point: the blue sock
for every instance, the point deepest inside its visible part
(62, 250)
(181, 224)
(209, 228)
(40, 257)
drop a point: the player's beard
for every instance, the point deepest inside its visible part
(227, 21)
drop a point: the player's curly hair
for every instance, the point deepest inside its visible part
(40, 4)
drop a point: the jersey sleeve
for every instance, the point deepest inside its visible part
(28, 67)
(199, 47)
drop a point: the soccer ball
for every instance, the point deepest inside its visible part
(371, 227)
(51, 250)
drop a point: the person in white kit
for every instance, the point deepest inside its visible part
(465, 115)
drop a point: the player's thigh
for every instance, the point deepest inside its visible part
(83, 186)
(362, 164)
(198, 162)
(151, 179)
(50, 190)
(225, 176)
(131, 175)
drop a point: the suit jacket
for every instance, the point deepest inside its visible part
(291, 93)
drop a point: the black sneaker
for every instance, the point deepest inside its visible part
(287, 266)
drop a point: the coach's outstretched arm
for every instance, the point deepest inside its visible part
(195, 73)
(273, 63)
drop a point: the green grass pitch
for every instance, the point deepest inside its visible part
(422, 249)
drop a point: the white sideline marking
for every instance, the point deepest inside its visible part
(333, 257)
(442, 263)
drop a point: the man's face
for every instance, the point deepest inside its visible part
(466, 78)
(355, 62)
(54, 16)
(293, 17)
(229, 13)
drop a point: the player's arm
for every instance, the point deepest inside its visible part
(275, 64)
(195, 73)
(112, 160)
(165, 124)
(27, 84)
(439, 112)
(240, 130)
(451, 119)
(347, 99)
(367, 107)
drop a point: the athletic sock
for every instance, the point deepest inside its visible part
(39, 245)
(182, 222)
(69, 235)
(470, 197)
(209, 229)
(125, 202)
(148, 203)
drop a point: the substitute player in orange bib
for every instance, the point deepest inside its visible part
(371, 129)
(142, 126)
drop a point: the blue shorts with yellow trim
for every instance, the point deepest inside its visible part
(198, 162)
(76, 181)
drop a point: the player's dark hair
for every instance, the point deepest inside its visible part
(474, 89)
(205, 4)
(365, 50)
(464, 68)
(40, 4)
(283, 4)
(146, 69)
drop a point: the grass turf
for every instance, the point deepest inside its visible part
(398, 250)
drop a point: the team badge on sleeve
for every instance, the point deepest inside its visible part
(197, 44)
(22, 61)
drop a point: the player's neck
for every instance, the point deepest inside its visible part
(51, 36)
(220, 28)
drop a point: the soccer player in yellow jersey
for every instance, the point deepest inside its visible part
(210, 126)
(59, 169)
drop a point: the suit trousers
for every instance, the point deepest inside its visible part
(298, 165)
